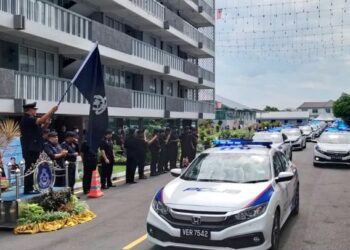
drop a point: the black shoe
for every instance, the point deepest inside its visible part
(132, 182)
(153, 175)
(143, 178)
(104, 187)
(112, 185)
(31, 192)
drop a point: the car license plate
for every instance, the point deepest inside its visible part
(200, 234)
(336, 158)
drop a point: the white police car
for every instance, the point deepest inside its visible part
(333, 147)
(296, 137)
(230, 197)
(279, 140)
(308, 132)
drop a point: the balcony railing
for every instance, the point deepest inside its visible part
(152, 7)
(207, 6)
(49, 15)
(198, 107)
(45, 88)
(206, 75)
(144, 100)
(153, 54)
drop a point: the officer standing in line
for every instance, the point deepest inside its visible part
(154, 147)
(194, 136)
(141, 150)
(31, 139)
(186, 145)
(71, 157)
(163, 161)
(173, 148)
(89, 163)
(107, 160)
(131, 156)
(53, 149)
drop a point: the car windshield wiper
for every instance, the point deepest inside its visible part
(257, 181)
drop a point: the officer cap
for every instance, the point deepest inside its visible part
(30, 106)
(52, 134)
(70, 134)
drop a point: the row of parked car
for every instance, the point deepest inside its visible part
(290, 138)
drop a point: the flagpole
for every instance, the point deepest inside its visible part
(76, 75)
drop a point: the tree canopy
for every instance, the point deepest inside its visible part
(341, 108)
(269, 109)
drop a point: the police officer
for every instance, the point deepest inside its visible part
(131, 156)
(107, 160)
(71, 157)
(141, 150)
(186, 145)
(173, 148)
(154, 147)
(31, 139)
(194, 142)
(54, 150)
(163, 161)
(89, 163)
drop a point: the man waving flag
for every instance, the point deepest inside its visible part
(89, 81)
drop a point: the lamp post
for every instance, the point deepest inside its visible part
(66, 166)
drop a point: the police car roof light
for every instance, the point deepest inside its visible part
(237, 142)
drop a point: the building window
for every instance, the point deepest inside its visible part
(170, 49)
(114, 77)
(169, 89)
(314, 111)
(114, 24)
(154, 41)
(328, 110)
(36, 61)
(304, 110)
(153, 86)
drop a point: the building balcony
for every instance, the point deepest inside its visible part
(153, 17)
(122, 102)
(200, 12)
(76, 33)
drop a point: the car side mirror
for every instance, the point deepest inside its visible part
(314, 141)
(284, 176)
(176, 172)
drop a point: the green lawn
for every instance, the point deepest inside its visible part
(119, 168)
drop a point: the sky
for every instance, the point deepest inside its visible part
(260, 61)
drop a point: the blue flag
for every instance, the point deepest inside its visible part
(89, 81)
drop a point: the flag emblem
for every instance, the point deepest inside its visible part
(99, 105)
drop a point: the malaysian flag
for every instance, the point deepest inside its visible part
(218, 14)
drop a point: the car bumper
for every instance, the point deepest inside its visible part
(240, 236)
(321, 159)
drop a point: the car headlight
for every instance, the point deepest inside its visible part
(158, 204)
(251, 212)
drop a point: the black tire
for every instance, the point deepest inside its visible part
(296, 202)
(276, 231)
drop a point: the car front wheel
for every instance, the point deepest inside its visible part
(276, 231)
(296, 202)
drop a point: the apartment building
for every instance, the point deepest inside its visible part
(158, 57)
(317, 108)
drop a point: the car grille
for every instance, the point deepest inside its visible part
(214, 221)
(336, 155)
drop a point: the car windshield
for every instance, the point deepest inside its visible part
(231, 168)
(306, 129)
(291, 132)
(269, 137)
(335, 138)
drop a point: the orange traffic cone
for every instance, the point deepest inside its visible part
(95, 190)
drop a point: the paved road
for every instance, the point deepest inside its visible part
(323, 222)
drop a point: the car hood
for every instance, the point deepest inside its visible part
(344, 148)
(209, 196)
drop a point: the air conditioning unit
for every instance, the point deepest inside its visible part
(200, 9)
(200, 116)
(19, 22)
(166, 69)
(166, 25)
(18, 105)
(200, 80)
(200, 45)
(167, 114)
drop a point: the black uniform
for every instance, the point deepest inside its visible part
(194, 141)
(163, 161)
(32, 145)
(131, 158)
(173, 149)
(106, 169)
(72, 159)
(186, 146)
(154, 147)
(51, 150)
(89, 162)
(141, 149)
